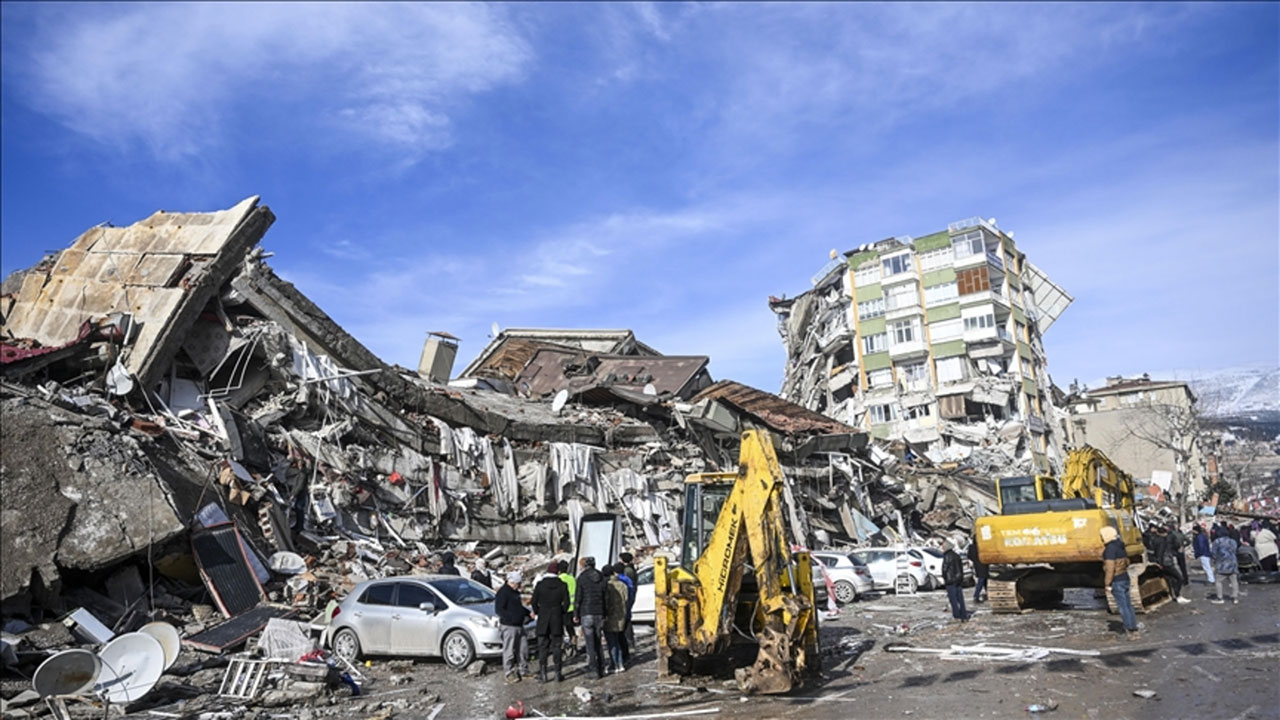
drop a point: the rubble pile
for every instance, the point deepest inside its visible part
(167, 399)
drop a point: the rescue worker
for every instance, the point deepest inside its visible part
(1115, 575)
(550, 603)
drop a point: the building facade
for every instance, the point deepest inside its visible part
(933, 340)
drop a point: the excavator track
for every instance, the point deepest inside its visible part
(1021, 590)
(1148, 589)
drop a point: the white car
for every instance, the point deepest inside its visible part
(850, 577)
(888, 563)
(642, 609)
(933, 563)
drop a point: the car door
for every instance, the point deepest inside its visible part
(373, 617)
(643, 609)
(416, 631)
(884, 568)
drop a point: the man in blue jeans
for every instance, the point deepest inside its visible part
(1115, 571)
(953, 576)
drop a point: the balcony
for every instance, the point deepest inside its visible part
(995, 260)
(907, 349)
(901, 306)
(985, 296)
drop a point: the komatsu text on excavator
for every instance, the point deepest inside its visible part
(709, 607)
(1046, 536)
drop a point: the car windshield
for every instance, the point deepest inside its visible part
(461, 591)
(934, 552)
(856, 560)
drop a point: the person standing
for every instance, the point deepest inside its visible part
(629, 572)
(981, 573)
(550, 603)
(628, 635)
(446, 565)
(1200, 545)
(571, 583)
(589, 600)
(615, 620)
(1180, 548)
(481, 574)
(512, 615)
(953, 577)
(1166, 556)
(1115, 576)
(1224, 549)
(1264, 541)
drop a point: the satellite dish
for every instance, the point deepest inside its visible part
(167, 636)
(131, 666)
(650, 389)
(561, 398)
(70, 672)
(493, 329)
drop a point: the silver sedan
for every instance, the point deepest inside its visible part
(429, 615)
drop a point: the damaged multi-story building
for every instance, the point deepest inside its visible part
(934, 341)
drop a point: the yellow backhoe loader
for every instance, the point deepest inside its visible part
(1046, 536)
(709, 607)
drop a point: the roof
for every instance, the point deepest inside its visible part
(551, 369)
(617, 342)
(779, 414)
(1137, 385)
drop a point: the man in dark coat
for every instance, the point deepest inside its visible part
(1166, 554)
(1200, 543)
(981, 573)
(589, 609)
(550, 603)
(446, 565)
(512, 615)
(953, 577)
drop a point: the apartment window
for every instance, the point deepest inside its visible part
(980, 322)
(880, 378)
(917, 411)
(882, 413)
(968, 244)
(897, 264)
(902, 296)
(934, 259)
(870, 308)
(867, 274)
(874, 343)
(951, 369)
(946, 330)
(904, 331)
(939, 294)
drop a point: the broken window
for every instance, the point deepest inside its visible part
(952, 369)
(883, 413)
(917, 411)
(870, 309)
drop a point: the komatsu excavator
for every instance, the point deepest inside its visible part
(1046, 536)
(710, 607)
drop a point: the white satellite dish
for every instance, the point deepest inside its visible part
(70, 672)
(131, 666)
(167, 636)
(493, 329)
(561, 398)
(650, 389)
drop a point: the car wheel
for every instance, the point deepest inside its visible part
(912, 583)
(845, 592)
(346, 645)
(458, 650)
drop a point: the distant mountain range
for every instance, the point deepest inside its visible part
(1237, 391)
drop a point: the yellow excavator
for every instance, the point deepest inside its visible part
(1046, 537)
(710, 610)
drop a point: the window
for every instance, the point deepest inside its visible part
(378, 594)
(939, 294)
(951, 369)
(904, 331)
(868, 309)
(880, 378)
(873, 343)
(882, 413)
(914, 372)
(867, 274)
(462, 591)
(934, 259)
(917, 411)
(980, 322)
(902, 296)
(973, 280)
(968, 244)
(897, 264)
(946, 330)
(412, 595)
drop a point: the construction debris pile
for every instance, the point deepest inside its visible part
(189, 438)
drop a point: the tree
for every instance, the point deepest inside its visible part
(1168, 418)
(1225, 491)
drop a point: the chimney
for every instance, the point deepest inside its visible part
(438, 353)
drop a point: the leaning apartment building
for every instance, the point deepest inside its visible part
(935, 341)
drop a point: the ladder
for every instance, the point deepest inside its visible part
(243, 678)
(902, 585)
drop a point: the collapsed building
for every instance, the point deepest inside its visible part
(187, 435)
(934, 342)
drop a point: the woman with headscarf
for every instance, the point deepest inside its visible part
(481, 574)
(1115, 576)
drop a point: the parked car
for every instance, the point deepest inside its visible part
(428, 615)
(887, 563)
(642, 609)
(850, 577)
(933, 563)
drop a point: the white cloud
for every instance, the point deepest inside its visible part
(172, 76)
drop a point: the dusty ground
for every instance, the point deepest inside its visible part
(1202, 660)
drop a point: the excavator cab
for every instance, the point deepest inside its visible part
(704, 496)
(1013, 491)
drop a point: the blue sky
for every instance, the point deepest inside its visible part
(668, 167)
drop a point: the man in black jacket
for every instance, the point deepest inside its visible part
(981, 573)
(550, 603)
(446, 565)
(589, 611)
(511, 617)
(953, 577)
